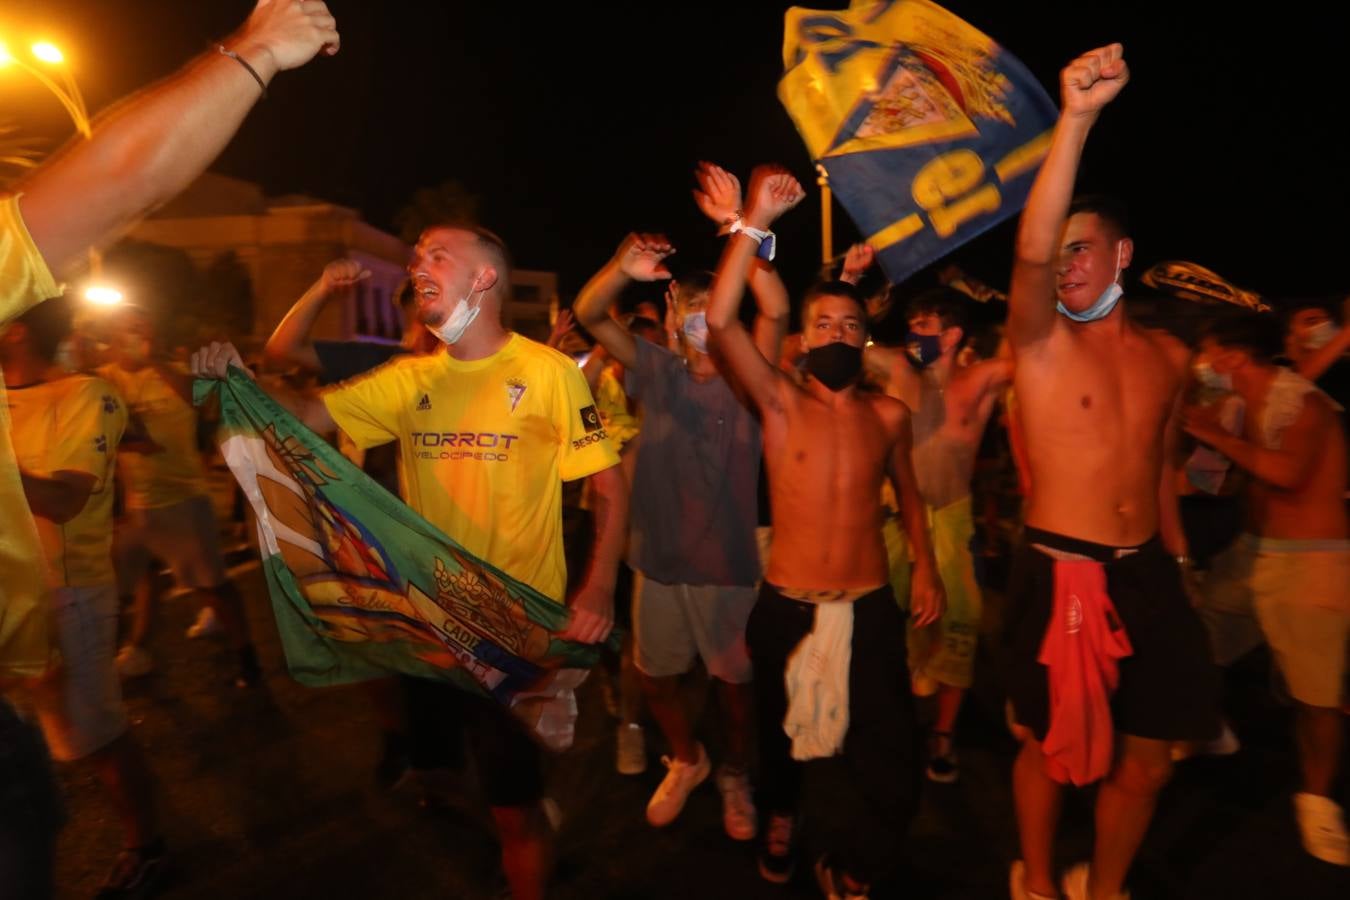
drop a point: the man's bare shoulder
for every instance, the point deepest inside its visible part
(1169, 345)
(984, 372)
(891, 411)
(1166, 341)
(1321, 410)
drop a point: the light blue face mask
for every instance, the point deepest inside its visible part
(695, 330)
(1320, 335)
(1210, 377)
(1102, 307)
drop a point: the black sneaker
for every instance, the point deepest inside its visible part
(942, 767)
(136, 873)
(775, 856)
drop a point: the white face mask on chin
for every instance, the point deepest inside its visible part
(1320, 335)
(1210, 377)
(460, 318)
(1105, 302)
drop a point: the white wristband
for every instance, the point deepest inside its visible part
(765, 239)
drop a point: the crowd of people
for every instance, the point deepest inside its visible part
(797, 510)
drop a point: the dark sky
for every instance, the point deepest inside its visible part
(575, 123)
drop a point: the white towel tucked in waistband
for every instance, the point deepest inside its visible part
(816, 677)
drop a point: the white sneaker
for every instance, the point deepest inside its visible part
(1323, 828)
(1075, 884)
(738, 810)
(133, 662)
(1017, 884)
(631, 750)
(207, 625)
(674, 789)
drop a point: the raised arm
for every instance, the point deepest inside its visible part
(719, 198)
(857, 261)
(772, 192)
(775, 311)
(289, 344)
(1315, 364)
(1086, 85)
(641, 257)
(564, 325)
(993, 374)
(150, 146)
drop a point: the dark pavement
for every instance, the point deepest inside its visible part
(269, 794)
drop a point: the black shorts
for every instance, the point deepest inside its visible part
(442, 719)
(1169, 685)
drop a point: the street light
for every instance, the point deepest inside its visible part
(102, 295)
(68, 92)
(48, 53)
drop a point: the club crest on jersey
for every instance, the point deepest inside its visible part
(515, 389)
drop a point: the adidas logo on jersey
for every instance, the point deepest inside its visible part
(424, 403)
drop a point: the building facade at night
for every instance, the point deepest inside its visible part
(284, 242)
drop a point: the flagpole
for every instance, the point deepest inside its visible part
(826, 227)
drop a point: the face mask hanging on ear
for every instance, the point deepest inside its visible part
(460, 318)
(1104, 304)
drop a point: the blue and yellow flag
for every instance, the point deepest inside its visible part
(363, 587)
(929, 131)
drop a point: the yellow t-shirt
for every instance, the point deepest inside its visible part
(621, 424)
(484, 447)
(171, 475)
(25, 638)
(74, 424)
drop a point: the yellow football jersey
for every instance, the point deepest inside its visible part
(485, 446)
(170, 475)
(72, 424)
(25, 638)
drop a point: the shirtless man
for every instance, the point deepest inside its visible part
(1286, 581)
(951, 405)
(827, 448)
(1097, 397)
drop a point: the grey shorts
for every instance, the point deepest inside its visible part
(675, 623)
(185, 535)
(81, 709)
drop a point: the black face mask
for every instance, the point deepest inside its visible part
(835, 365)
